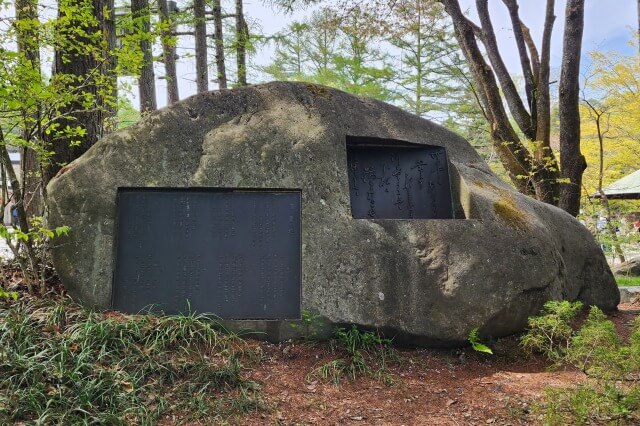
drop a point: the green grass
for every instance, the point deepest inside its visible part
(627, 281)
(62, 364)
(610, 392)
(363, 354)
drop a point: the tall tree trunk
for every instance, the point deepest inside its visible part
(572, 162)
(540, 165)
(525, 61)
(168, 52)
(202, 75)
(146, 81)
(28, 270)
(513, 154)
(241, 44)
(28, 43)
(79, 58)
(545, 169)
(516, 106)
(219, 40)
(108, 25)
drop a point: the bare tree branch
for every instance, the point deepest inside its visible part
(525, 63)
(516, 106)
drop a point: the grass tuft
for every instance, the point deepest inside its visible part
(60, 363)
(362, 354)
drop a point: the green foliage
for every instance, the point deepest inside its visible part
(474, 340)
(551, 332)
(334, 50)
(8, 295)
(587, 404)
(37, 239)
(596, 348)
(61, 364)
(611, 393)
(127, 114)
(362, 351)
(40, 113)
(627, 281)
(310, 325)
(432, 79)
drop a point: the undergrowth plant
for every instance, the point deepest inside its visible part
(30, 250)
(8, 295)
(611, 392)
(62, 364)
(364, 353)
(310, 326)
(474, 340)
(550, 333)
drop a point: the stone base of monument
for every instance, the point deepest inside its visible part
(357, 213)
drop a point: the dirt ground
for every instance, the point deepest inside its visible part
(430, 387)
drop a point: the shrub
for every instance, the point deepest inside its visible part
(550, 333)
(611, 393)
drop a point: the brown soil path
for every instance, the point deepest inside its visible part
(430, 387)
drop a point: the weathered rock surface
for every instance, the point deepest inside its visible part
(630, 268)
(427, 282)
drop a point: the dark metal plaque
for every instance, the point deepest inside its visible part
(398, 180)
(233, 253)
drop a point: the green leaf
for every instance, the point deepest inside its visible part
(62, 230)
(479, 347)
(474, 339)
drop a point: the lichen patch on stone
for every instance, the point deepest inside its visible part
(507, 210)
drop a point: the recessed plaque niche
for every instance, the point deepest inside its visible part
(233, 253)
(391, 179)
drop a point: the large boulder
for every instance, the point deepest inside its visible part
(629, 268)
(426, 282)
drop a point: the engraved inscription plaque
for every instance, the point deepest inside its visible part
(233, 253)
(398, 180)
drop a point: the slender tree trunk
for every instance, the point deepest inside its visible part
(28, 43)
(604, 201)
(525, 62)
(572, 162)
(108, 25)
(85, 66)
(30, 271)
(146, 81)
(513, 154)
(221, 70)
(241, 44)
(169, 52)
(418, 60)
(202, 75)
(539, 167)
(516, 106)
(545, 169)
(543, 101)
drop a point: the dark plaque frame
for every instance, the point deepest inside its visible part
(392, 179)
(235, 253)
